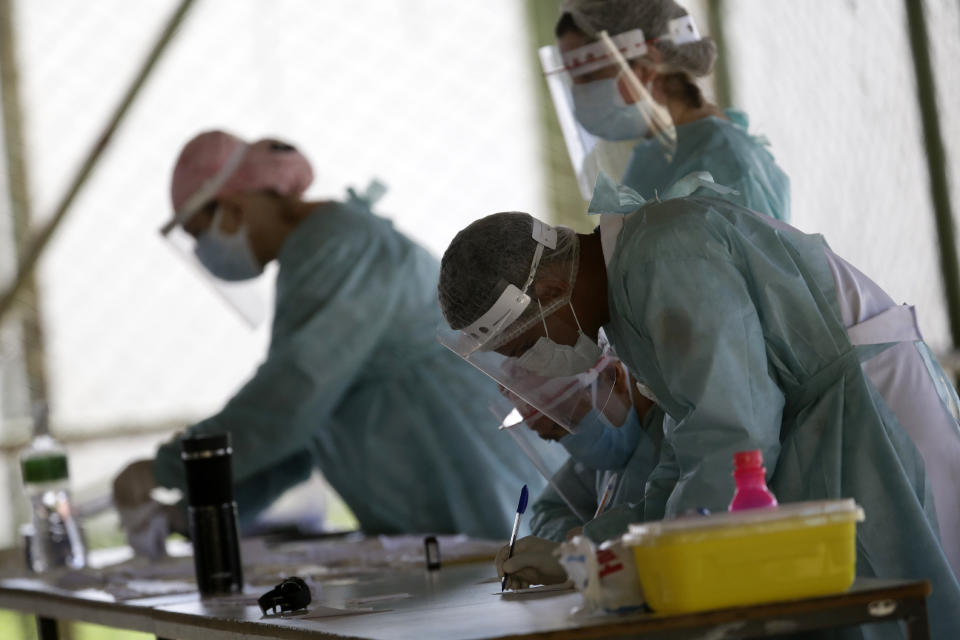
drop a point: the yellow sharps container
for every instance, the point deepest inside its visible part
(797, 550)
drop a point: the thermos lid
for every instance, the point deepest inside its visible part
(205, 446)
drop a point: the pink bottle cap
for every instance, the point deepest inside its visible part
(747, 459)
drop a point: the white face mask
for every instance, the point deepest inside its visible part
(601, 110)
(552, 360)
(228, 256)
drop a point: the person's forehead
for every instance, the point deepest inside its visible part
(572, 40)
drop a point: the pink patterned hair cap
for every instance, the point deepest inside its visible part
(222, 164)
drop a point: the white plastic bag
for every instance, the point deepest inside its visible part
(605, 576)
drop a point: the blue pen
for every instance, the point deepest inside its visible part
(607, 493)
(521, 507)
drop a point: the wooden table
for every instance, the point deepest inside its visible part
(457, 602)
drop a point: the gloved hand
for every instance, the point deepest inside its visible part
(132, 486)
(533, 562)
(147, 528)
(146, 522)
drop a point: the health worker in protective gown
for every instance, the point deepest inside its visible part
(748, 334)
(627, 77)
(354, 382)
(645, 95)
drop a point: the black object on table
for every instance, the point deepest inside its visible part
(292, 594)
(431, 553)
(212, 514)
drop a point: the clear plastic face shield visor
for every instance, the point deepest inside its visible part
(607, 393)
(603, 108)
(250, 299)
(535, 409)
(542, 404)
(546, 457)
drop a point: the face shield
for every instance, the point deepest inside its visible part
(555, 387)
(603, 108)
(546, 458)
(536, 409)
(248, 296)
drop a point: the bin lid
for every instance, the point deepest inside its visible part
(844, 509)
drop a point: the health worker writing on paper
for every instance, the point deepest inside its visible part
(750, 335)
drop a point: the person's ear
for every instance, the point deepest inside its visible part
(548, 288)
(290, 211)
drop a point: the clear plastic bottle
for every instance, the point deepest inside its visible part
(750, 476)
(55, 539)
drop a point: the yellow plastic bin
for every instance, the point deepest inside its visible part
(797, 550)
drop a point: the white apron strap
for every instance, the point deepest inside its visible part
(610, 226)
(896, 324)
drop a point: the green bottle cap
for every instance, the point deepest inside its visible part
(44, 468)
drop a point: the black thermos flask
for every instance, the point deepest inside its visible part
(212, 513)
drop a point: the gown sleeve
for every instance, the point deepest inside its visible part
(334, 308)
(552, 516)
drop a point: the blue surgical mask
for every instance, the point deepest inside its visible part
(598, 445)
(601, 110)
(227, 256)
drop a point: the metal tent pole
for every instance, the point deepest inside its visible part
(936, 162)
(723, 89)
(32, 254)
(29, 308)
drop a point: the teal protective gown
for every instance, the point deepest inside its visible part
(735, 159)
(553, 518)
(356, 384)
(726, 150)
(734, 324)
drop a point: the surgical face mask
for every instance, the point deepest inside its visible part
(228, 256)
(601, 446)
(601, 110)
(552, 360)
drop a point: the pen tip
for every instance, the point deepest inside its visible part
(524, 497)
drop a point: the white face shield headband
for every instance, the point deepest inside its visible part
(488, 330)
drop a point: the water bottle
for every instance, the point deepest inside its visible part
(212, 514)
(54, 538)
(751, 478)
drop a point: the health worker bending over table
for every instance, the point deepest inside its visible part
(624, 85)
(354, 382)
(750, 335)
